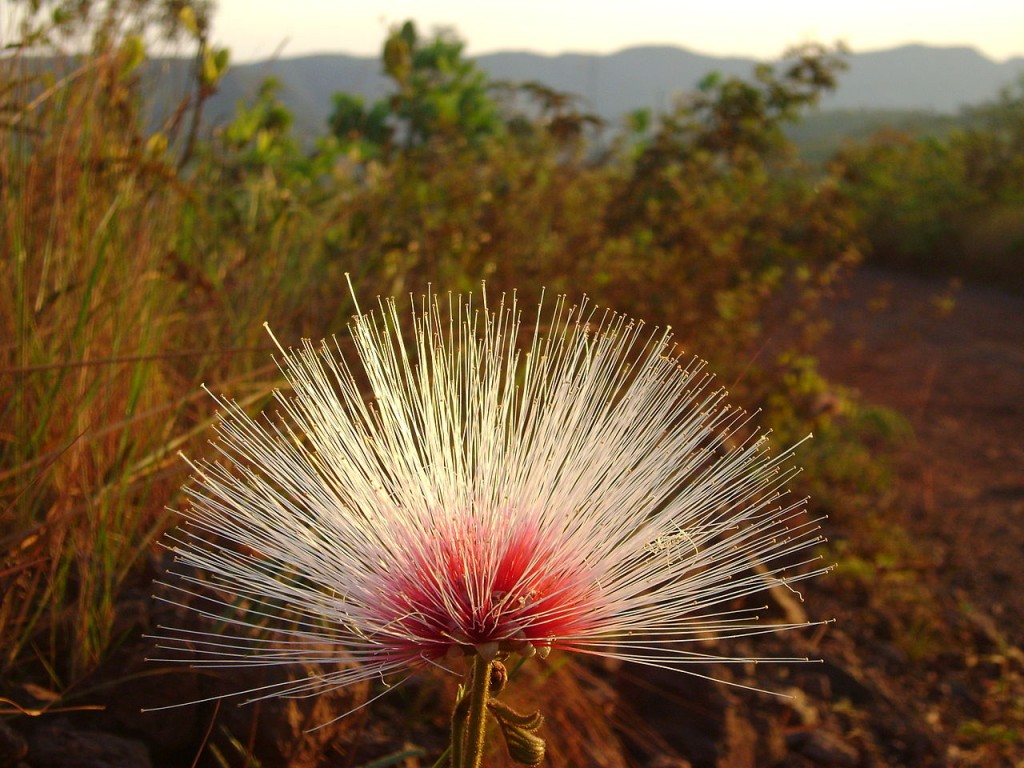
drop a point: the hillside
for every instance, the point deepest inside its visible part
(913, 77)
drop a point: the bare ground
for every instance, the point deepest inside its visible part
(951, 359)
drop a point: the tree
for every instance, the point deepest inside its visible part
(438, 94)
(733, 118)
(728, 128)
(351, 122)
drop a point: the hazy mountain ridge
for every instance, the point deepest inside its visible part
(911, 77)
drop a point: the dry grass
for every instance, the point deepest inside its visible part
(93, 405)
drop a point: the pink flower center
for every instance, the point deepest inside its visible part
(480, 585)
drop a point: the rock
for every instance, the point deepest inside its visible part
(846, 683)
(707, 723)
(57, 744)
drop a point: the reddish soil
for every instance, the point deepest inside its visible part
(938, 641)
(923, 665)
(955, 369)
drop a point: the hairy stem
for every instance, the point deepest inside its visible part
(469, 751)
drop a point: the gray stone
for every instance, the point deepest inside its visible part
(59, 745)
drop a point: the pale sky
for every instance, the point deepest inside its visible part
(258, 29)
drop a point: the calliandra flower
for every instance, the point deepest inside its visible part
(479, 487)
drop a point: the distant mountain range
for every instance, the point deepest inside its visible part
(912, 77)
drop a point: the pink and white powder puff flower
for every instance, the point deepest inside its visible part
(480, 487)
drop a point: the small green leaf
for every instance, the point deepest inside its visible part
(215, 64)
(187, 17)
(133, 52)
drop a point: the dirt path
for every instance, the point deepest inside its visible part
(958, 376)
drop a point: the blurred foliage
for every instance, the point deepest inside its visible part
(54, 23)
(950, 205)
(820, 134)
(912, 195)
(993, 150)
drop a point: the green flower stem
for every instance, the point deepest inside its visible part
(472, 751)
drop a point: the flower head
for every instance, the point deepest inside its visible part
(480, 487)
